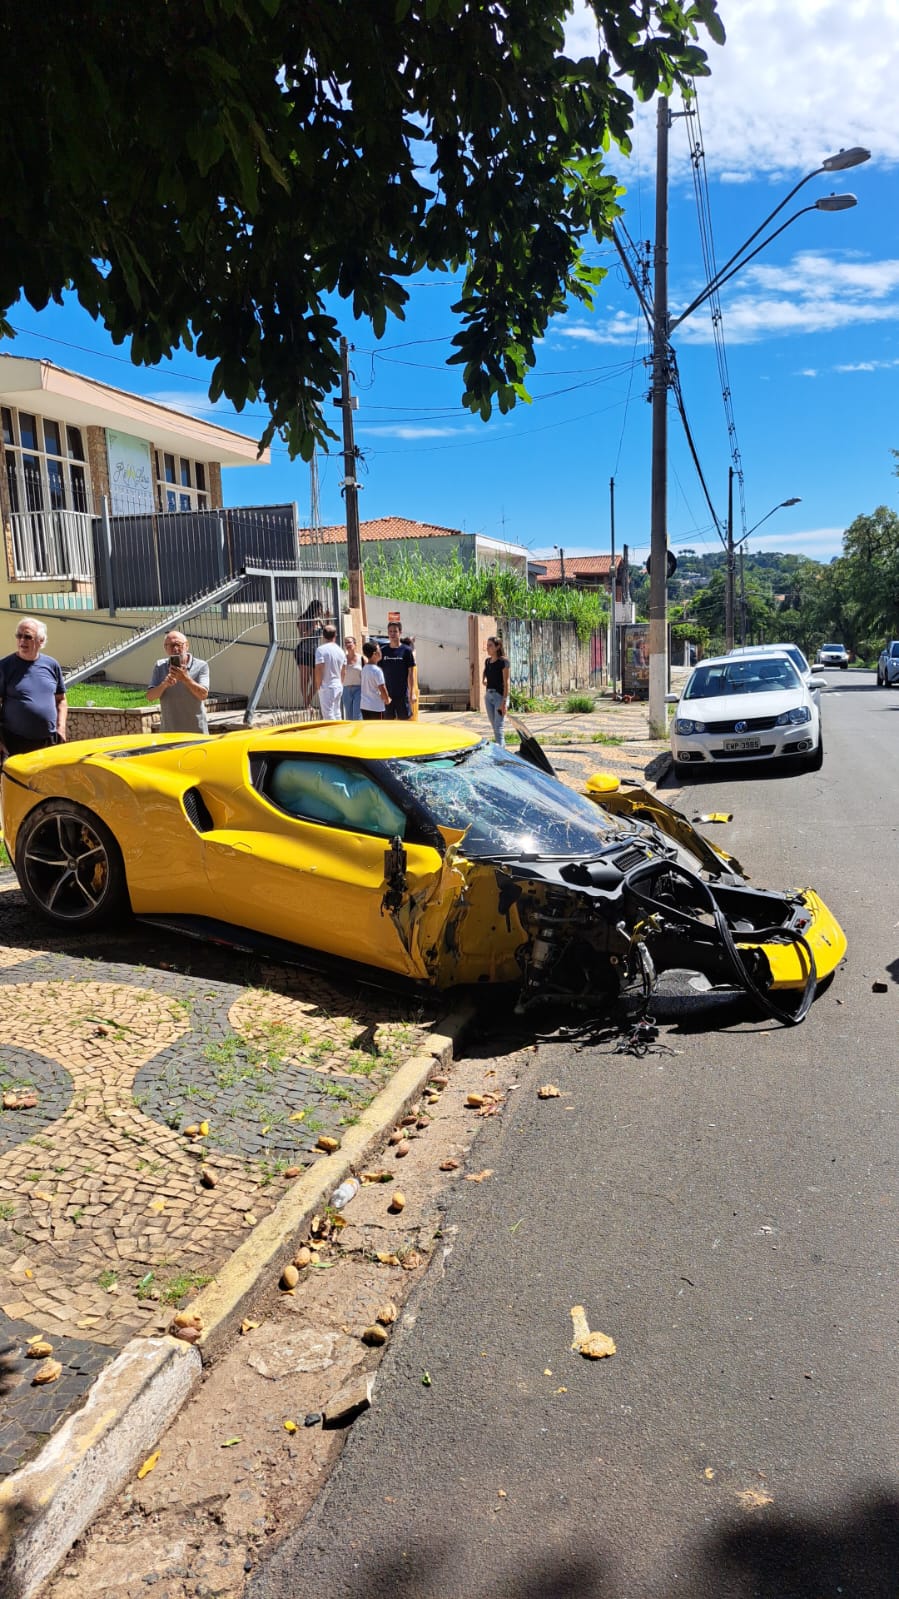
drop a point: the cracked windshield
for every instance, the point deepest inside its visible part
(506, 806)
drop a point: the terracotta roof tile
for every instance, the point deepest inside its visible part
(578, 566)
(379, 529)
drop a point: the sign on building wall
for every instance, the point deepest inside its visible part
(130, 473)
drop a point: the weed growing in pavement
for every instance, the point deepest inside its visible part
(580, 704)
(77, 1214)
(108, 1279)
(268, 1170)
(606, 738)
(181, 1284)
(33, 1176)
(335, 1090)
(7, 1210)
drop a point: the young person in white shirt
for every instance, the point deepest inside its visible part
(374, 689)
(330, 664)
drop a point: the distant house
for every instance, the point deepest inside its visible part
(583, 572)
(67, 444)
(399, 535)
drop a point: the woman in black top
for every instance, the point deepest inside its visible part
(309, 627)
(496, 682)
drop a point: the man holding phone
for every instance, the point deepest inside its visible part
(180, 683)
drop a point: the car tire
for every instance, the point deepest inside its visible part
(816, 759)
(70, 867)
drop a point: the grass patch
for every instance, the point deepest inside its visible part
(7, 1210)
(184, 1282)
(115, 696)
(605, 738)
(580, 704)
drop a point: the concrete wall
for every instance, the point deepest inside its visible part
(441, 642)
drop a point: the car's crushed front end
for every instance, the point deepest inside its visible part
(644, 894)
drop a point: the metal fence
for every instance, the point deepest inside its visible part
(549, 658)
(151, 560)
(52, 544)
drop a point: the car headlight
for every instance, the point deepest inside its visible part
(799, 713)
(683, 725)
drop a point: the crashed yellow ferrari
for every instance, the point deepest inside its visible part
(416, 849)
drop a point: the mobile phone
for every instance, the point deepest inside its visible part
(174, 660)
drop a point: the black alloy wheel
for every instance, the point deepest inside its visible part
(69, 866)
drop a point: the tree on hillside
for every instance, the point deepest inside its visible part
(209, 173)
(871, 570)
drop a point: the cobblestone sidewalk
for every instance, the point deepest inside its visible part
(111, 1212)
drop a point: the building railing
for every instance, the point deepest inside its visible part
(52, 544)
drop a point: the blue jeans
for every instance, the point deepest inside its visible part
(493, 699)
(352, 694)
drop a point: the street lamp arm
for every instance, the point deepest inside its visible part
(724, 276)
(779, 507)
(725, 271)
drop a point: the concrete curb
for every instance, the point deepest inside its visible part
(49, 1503)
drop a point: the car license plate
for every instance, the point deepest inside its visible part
(733, 745)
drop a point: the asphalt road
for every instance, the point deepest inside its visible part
(728, 1214)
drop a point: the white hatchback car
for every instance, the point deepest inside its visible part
(752, 707)
(834, 655)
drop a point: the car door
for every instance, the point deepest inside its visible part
(313, 862)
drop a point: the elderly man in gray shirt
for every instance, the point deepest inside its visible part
(180, 683)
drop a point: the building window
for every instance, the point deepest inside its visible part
(45, 465)
(180, 484)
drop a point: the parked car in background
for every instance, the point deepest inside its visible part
(888, 665)
(834, 655)
(751, 706)
(793, 650)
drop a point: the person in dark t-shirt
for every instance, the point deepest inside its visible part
(33, 705)
(398, 665)
(496, 683)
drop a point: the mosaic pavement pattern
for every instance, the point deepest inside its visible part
(114, 1046)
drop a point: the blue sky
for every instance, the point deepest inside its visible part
(811, 333)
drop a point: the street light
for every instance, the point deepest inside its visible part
(561, 563)
(732, 546)
(661, 327)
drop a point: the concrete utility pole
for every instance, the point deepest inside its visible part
(658, 535)
(729, 569)
(348, 403)
(613, 630)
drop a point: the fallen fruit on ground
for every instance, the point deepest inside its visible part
(449, 1165)
(397, 1201)
(208, 1177)
(375, 1334)
(48, 1372)
(147, 1467)
(402, 1148)
(474, 1101)
(327, 1143)
(39, 1350)
(548, 1091)
(387, 1259)
(387, 1313)
(593, 1345)
(411, 1260)
(290, 1277)
(302, 1257)
(293, 1171)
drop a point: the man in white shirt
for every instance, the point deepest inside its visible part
(330, 665)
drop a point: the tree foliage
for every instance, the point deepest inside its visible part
(211, 173)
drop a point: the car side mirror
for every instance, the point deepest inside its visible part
(817, 682)
(672, 699)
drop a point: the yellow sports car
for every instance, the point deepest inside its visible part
(414, 848)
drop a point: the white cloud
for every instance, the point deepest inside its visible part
(866, 366)
(402, 430)
(619, 328)
(794, 83)
(812, 293)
